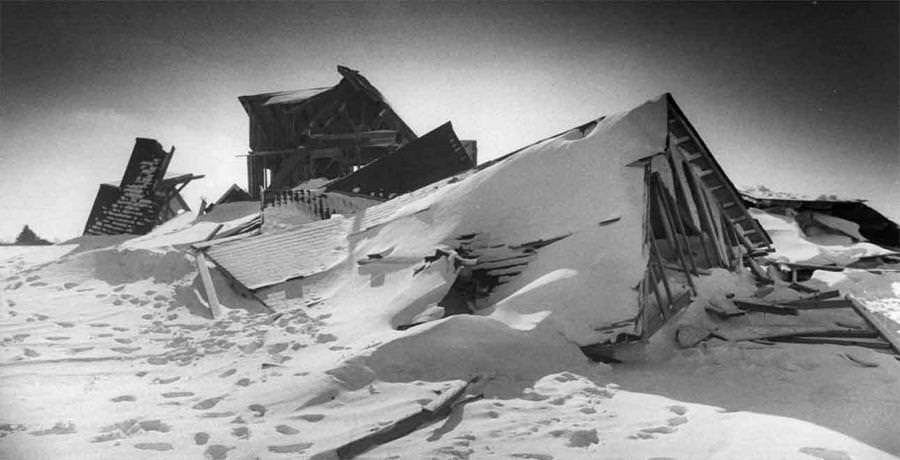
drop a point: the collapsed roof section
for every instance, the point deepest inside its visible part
(144, 198)
(430, 158)
(634, 199)
(322, 132)
(852, 218)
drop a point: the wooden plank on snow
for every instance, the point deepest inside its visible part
(881, 325)
(214, 308)
(764, 307)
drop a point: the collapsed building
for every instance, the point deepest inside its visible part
(337, 150)
(853, 219)
(331, 132)
(146, 196)
(640, 206)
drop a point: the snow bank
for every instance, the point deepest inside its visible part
(119, 266)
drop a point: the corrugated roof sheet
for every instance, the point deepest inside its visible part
(266, 260)
(271, 259)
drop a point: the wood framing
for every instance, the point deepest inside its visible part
(321, 132)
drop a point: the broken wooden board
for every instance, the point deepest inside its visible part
(768, 332)
(745, 304)
(880, 324)
(819, 296)
(436, 409)
(816, 304)
(875, 344)
(211, 297)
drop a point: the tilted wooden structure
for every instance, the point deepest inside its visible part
(144, 198)
(695, 220)
(658, 208)
(322, 132)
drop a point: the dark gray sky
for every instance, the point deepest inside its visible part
(800, 97)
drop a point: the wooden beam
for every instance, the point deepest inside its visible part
(214, 308)
(675, 213)
(764, 307)
(706, 215)
(832, 341)
(879, 325)
(670, 232)
(436, 409)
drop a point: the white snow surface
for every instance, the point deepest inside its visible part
(107, 352)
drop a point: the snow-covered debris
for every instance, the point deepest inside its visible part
(793, 245)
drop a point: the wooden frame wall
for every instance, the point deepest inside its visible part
(677, 212)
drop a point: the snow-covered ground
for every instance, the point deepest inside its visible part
(106, 352)
(102, 357)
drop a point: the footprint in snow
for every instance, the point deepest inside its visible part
(208, 403)
(165, 381)
(161, 446)
(243, 382)
(658, 429)
(258, 409)
(123, 398)
(826, 454)
(99, 325)
(65, 324)
(217, 414)
(57, 337)
(309, 417)
(31, 353)
(290, 448)
(70, 285)
(286, 429)
(59, 428)
(227, 373)
(177, 394)
(123, 341)
(675, 421)
(201, 438)
(583, 438)
(678, 410)
(241, 432)
(126, 350)
(217, 452)
(9, 428)
(325, 338)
